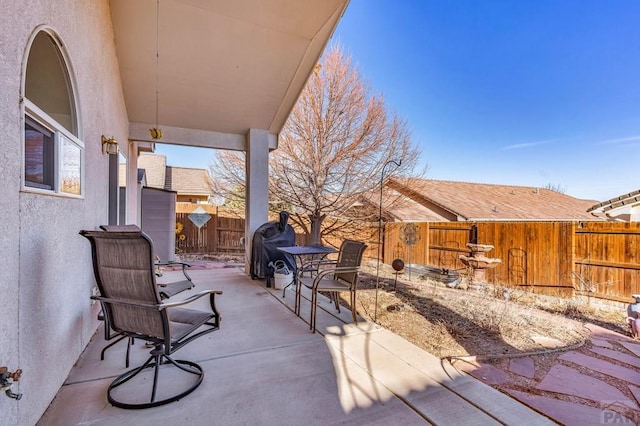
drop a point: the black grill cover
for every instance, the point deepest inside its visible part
(264, 250)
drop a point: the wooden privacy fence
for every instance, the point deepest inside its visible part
(219, 233)
(594, 258)
(606, 258)
(599, 259)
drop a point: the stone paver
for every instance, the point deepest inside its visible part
(485, 372)
(603, 333)
(547, 342)
(633, 347)
(618, 356)
(595, 400)
(602, 343)
(604, 367)
(567, 381)
(523, 366)
(636, 392)
(567, 413)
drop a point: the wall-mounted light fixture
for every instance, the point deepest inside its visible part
(109, 145)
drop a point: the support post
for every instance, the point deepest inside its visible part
(257, 187)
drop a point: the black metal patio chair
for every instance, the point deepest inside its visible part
(339, 277)
(167, 289)
(124, 269)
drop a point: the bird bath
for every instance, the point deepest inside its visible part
(479, 263)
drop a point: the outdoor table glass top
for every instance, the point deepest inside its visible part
(307, 250)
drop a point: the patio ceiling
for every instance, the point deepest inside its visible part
(223, 66)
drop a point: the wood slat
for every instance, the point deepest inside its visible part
(556, 257)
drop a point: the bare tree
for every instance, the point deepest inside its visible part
(556, 188)
(227, 170)
(333, 149)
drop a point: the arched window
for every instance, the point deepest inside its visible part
(53, 151)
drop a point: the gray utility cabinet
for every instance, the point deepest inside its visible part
(159, 220)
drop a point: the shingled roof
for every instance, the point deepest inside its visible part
(465, 201)
(620, 201)
(183, 180)
(404, 208)
(155, 167)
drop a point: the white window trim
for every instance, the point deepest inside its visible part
(35, 113)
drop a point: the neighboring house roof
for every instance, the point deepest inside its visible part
(155, 167)
(122, 176)
(625, 208)
(620, 201)
(408, 209)
(465, 201)
(401, 208)
(183, 180)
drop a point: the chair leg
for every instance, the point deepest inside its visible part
(296, 306)
(314, 301)
(335, 297)
(154, 361)
(292, 283)
(129, 344)
(353, 306)
(109, 345)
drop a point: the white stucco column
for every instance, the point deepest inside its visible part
(133, 199)
(257, 194)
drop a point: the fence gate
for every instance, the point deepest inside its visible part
(203, 231)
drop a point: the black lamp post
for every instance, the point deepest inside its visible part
(397, 163)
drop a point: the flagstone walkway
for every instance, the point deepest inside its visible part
(596, 383)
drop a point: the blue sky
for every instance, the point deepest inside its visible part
(505, 92)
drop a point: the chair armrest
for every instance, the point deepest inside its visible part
(190, 299)
(314, 265)
(212, 302)
(337, 270)
(175, 262)
(162, 306)
(115, 301)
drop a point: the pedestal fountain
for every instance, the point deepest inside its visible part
(479, 263)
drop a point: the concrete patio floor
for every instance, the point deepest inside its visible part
(265, 367)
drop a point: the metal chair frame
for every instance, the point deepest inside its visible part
(342, 276)
(133, 308)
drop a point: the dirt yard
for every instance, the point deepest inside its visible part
(450, 322)
(490, 326)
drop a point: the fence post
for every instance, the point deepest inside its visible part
(213, 232)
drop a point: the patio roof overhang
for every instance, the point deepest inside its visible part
(219, 68)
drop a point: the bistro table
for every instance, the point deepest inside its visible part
(299, 253)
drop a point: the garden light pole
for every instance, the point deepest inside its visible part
(397, 163)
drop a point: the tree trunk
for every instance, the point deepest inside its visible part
(316, 226)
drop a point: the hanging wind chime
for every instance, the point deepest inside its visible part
(156, 132)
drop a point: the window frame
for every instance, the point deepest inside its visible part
(41, 118)
(31, 112)
(48, 151)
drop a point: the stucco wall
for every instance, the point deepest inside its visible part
(46, 318)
